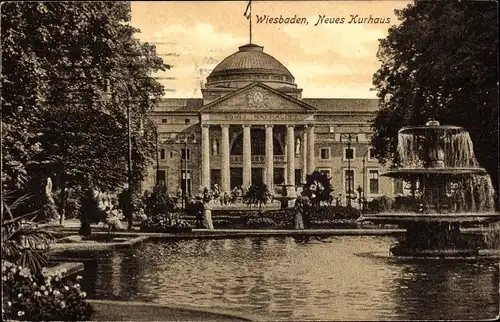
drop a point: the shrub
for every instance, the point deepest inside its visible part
(261, 222)
(163, 223)
(282, 218)
(335, 212)
(158, 201)
(382, 203)
(45, 298)
(403, 203)
(72, 204)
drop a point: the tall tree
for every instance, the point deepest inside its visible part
(73, 54)
(441, 62)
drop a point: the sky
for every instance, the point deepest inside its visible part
(328, 60)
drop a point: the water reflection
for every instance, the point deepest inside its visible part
(282, 278)
(465, 288)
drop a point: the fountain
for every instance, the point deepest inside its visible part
(448, 189)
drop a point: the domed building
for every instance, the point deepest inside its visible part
(253, 126)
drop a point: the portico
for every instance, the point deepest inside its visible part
(257, 135)
(243, 161)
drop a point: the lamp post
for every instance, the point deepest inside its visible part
(364, 177)
(349, 155)
(184, 137)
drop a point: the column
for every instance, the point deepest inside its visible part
(304, 154)
(224, 144)
(269, 157)
(205, 158)
(290, 155)
(285, 149)
(311, 162)
(247, 157)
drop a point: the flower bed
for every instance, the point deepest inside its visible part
(165, 223)
(49, 297)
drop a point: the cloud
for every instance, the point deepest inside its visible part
(345, 40)
(200, 39)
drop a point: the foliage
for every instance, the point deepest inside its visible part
(441, 62)
(335, 212)
(403, 203)
(23, 242)
(72, 202)
(114, 220)
(27, 297)
(56, 60)
(158, 201)
(382, 203)
(164, 223)
(283, 218)
(257, 194)
(261, 222)
(89, 212)
(318, 188)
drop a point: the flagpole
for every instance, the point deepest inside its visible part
(250, 21)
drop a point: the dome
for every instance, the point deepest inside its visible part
(249, 64)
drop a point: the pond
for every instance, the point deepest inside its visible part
(337, 278)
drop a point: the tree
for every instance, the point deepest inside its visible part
(58, 59)
(440, 62)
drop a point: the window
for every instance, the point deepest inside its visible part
(185, 153)
(164, 121)
(371, 154)
(325, 153)
(187, 121)
(373, 181)
(349, 154)
(162, 154)
(162, 175)
(349, 181)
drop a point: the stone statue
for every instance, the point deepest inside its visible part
(215, 147)
(297, 146)
(49, 208)
(48, 190)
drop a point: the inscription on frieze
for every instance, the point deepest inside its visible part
(262, 117)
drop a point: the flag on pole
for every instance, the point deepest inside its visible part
(248, 11)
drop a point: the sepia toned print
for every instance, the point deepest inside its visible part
(250, 160)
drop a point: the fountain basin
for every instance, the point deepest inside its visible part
(449, 172)
(401, 218)
(400, 250)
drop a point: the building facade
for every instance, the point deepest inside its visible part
(253, 126)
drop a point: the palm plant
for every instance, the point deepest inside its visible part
(24, 242)
(257, 195)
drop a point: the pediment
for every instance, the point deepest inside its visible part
(257, 98)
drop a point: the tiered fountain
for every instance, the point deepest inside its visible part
(447, 189)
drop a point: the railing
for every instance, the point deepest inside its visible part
(256, 159)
